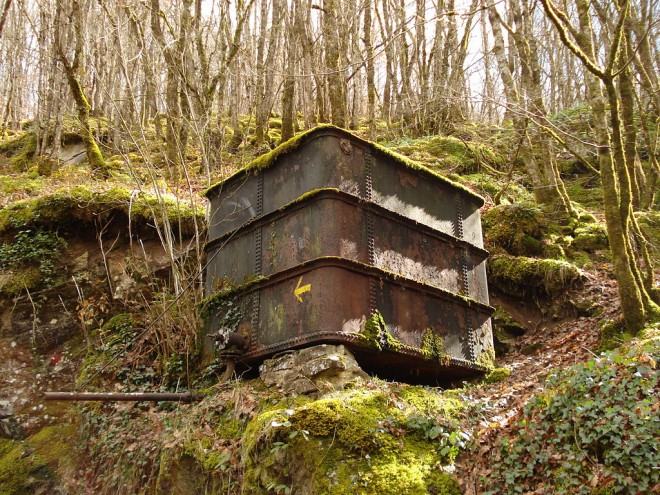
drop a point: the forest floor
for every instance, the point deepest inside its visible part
(548, 346)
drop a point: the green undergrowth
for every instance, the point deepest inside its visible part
(377, 439)
(72, 208)
(593, 430)
(129, 350)
(30, 261)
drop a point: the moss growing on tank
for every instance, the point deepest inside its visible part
(433, 347)
(376, 335)
(268, 159)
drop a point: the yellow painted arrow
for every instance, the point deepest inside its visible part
(301, 290)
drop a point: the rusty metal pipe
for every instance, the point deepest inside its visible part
(122, 396)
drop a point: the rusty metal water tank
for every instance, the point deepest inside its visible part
(332, 239)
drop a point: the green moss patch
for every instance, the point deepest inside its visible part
(590, 237)
(518, 228)
(35, 464)
(448, 153)
(528, 277)
(360, 441)
(376, 335)
(82, 205)
(497, 375)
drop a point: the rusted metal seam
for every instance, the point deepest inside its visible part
(357, 267)
(465, 289)
(342, 337)
(331, 193)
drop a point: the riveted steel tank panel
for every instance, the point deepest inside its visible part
(331, 223)
(331, 299)
(329, 159)
(306, 246)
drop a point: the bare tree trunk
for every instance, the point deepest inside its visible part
(265, 67)
(335, 73)
(369, 53)
(3, 16)
(390, 60)
(292, 23)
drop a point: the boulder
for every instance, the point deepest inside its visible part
(320, 368)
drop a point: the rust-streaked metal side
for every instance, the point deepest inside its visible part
(332, 223)
(331, 158)
(335, 240)
(330, 300)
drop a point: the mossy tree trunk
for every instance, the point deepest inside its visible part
(73, 71)
(649, 83)
(265, 65)
(636, 303)
(525, 103)
(335, 74)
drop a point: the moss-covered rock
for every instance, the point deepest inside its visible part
(35, 465)
(528, 277)
(505, 330)
(590, 238)
(21, 148)
(73, 208)
(518, 228)
(13, 282)
(360, 441)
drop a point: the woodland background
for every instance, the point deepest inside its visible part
(116, 115)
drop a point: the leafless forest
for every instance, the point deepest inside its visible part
(200, 74)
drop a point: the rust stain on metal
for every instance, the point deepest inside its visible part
(334, 234)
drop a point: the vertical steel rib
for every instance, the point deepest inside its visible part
(464, 279)
(258, 252)
(368, 196)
